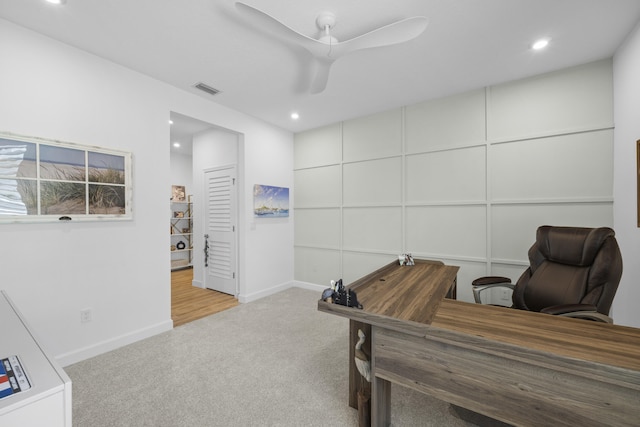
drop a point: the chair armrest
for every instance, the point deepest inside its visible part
(489, 282)
(578, 311)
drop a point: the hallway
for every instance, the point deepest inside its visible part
(189, 303)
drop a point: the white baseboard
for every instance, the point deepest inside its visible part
(81, 354)
(310, 286)
(244, 298)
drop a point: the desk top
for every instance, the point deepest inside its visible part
(410, 299)
(399, 297)
(580, 339)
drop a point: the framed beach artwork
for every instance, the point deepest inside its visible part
(270, 202)
(45, 180)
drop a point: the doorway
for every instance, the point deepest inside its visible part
(203, 146)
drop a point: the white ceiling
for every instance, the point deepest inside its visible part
(468, 44)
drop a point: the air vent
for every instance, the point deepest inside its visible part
(206, 88)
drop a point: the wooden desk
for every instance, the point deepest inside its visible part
(394, 297)
(523, 368)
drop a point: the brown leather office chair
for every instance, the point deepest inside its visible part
(573, 272)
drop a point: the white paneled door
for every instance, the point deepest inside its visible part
(220, 230)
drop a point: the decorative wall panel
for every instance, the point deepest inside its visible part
(373, 229)
(445, 123)
(319, 147)
(565, 101)
(448, 176)
(468, 182)
(560, 167)
(373, 137)
(318, 227)
(446, 231)
(373, 183)
(318, 187)
(318, 266)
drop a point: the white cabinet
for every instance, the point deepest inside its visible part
(181, 230)
(47, 402)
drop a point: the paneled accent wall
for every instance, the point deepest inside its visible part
(465, 179)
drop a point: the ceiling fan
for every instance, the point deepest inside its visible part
(327, 49)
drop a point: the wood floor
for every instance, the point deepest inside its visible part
(189, 303)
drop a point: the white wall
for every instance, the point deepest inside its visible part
(267, 260)
(180, 172)
(259, 162)
(626, 67)
(465, 179)
(118, 269)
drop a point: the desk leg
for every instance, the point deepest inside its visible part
(380, 403)
(380, 398)
(356, 382)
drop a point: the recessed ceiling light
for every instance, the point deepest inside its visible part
(57, 1)
(295, 116)
(170, 121)
(540, 44)
(176, 144)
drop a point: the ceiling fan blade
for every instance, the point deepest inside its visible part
(323, 67)
(325, 53)
(268, 23)
(398, 32)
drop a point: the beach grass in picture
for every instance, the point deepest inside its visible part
(44, 178)
(270, 202)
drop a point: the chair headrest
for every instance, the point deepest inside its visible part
(571, 245)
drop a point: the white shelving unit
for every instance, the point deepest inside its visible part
(181, 230)
(48, 401)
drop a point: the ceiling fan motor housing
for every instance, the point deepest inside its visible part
(326, 19)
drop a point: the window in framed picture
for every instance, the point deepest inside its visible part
(46, 180)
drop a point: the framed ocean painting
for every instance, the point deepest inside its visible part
(270, 202)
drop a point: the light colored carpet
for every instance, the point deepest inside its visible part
(272, 362)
